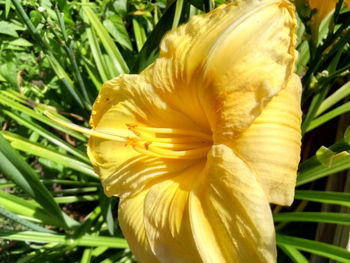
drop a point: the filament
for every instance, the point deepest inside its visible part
(192, 145)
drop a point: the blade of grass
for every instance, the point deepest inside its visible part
(337, 198)
(337, 96)
(328, 116)
(97, 54)
(22, 144)
(69, 47)
(53, 61)
(315, 247)
(177, 15)
(85, 241)
(40, 117)
(68, 182)
(317, 171)
(23, 222)
(108, 43)
(18, 171)
(32, 211)
(75, 198)
(139, 33)
(150, 48)
(46, 134)
(293, 253)
(77, 190)
(321, 217)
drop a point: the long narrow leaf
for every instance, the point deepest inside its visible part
(293, 253)
(337, 198)
(315, 247)
(314, 172)
(46, 134)
(329, 116)
(17, 170)
(32, 211)
(23, 222)
(86, 241)
(40, 117)
(107, 41)
(38, 150)
(321, 217)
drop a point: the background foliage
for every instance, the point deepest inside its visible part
(56, 55)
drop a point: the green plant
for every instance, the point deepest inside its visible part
(56, 54)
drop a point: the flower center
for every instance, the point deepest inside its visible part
(158, 142)
(170, 143)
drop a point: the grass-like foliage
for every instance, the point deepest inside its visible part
(56, 54)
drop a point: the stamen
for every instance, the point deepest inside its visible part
(177, 140)
(193, 146)
(164, 153)
(134, 127)
(178, 146)
(95, 133)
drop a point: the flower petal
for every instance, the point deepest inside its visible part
(136, 174)
(271, 145)
(167, 220)
(130, 216)
(226, 65)
(128, 99)
(230, 216)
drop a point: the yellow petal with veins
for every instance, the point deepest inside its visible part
(130, 216)
(244, 51)
(271, 145)
(230, 215)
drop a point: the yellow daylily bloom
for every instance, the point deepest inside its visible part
(199, 143)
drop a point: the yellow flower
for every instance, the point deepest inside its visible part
(199, 144)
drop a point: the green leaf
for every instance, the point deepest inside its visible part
(110, 47)
(106, 205)
(9, 29)
(115, 26)
(313, 172)
(139, 33)
(336, 198)
(329, 251)
(86, 241)
(7, 7)
(9, 72)
(328, 116)
(21, 42)
(17, 170)
(32, 211)
(293, 253)
(22, 221)
(178, 12)
(326, 156)
(46, 134)
(321, 217)
(347, 135)
(36, 149)
(40, 117)
(150, 48)
(75, 198)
